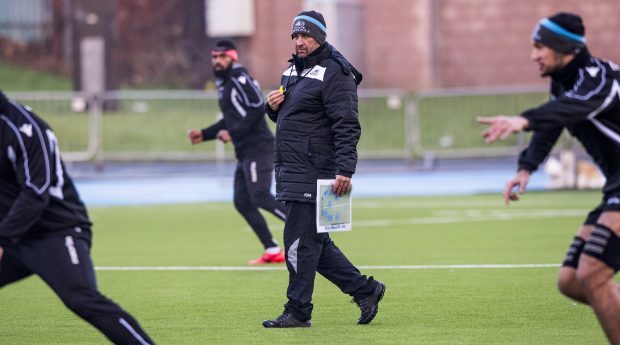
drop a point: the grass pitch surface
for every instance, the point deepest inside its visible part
(417, 246)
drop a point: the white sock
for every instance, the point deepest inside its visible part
(273, 250)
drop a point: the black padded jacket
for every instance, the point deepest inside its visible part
(317, 127)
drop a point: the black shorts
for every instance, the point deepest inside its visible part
(611, 202)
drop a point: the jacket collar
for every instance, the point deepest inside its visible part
(320, 54)
(568, 74)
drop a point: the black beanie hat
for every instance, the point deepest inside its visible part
(312, 24)
(562, 32)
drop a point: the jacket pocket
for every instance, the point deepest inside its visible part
(321, 154)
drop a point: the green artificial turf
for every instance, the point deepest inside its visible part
(425, 302)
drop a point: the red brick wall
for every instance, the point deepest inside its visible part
(395, 37)
(487, 42)
(271, 46)
(408, 44)
(398, 44)
(421, 44)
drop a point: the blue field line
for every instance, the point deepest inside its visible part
(173, 188)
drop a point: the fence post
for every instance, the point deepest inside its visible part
(95, 130)
(411, 134)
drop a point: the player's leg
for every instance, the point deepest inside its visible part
(337, 268)
(64, 263)
(258, 176)
(567, 278)
(303, 247)
(11, 268)
(598, 265)
(568, 283)
(249, 211)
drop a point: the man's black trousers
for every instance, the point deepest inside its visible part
(253, 191)
(64, 264)
(308, 252)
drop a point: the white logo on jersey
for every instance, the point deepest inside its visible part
(10, 152)
(614, 200)
(307, 195)
(242, 79)
(592, 71)
(26, 128)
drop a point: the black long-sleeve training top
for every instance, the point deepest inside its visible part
(37, 196)
(243, 110)
(585, 99)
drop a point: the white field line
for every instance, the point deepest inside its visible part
(282, 268)
(456, 203)
(472, 217)
(456, 216)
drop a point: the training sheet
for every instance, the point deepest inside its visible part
(333, 213)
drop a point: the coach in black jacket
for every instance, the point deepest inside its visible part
(243, 122)
(317, 133)
(585, 99)
(44, 226)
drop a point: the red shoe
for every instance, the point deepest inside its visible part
(267, 258)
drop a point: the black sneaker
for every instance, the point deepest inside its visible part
(286, 320)
(370, 305)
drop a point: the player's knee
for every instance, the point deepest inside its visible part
(601, 260)
(567, 281)
(86, 304)
(589, 275)
(79, 305)
(241, 204)
(263, 201)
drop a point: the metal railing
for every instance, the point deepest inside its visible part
(152, 125)
(444, 120)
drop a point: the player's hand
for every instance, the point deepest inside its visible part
(274, 99)
(195, 136)
(1, 252)
(501, 126)
(519, 181)
(223, 136)
(342, 185)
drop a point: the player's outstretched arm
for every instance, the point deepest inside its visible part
(501, 126)
(519, 181)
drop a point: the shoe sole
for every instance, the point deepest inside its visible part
(305, 325)
(379, 298)
(252, 262)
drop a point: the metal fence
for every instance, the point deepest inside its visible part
(26, 20)
(152, 125)
(444, 122)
